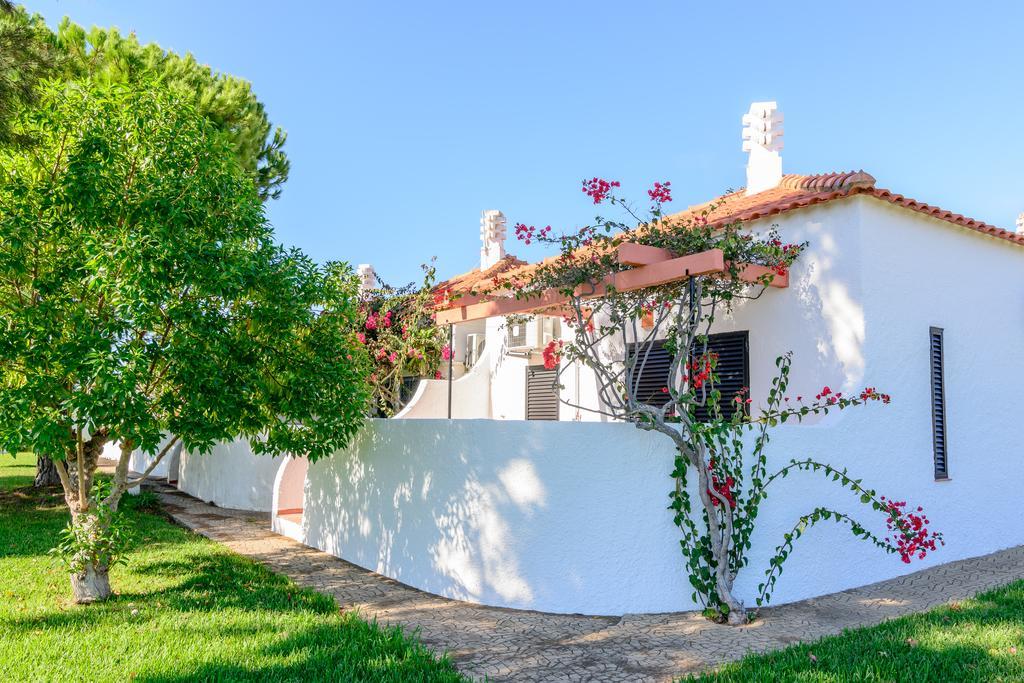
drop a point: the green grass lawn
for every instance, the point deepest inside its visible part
(976, 640)
(186, 610)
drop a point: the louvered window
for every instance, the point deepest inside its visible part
(650, 373)
(541, 393)
(938, 404)
(733, 372)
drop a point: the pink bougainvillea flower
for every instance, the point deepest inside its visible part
(552, 354)
(661, 192)
(598, 189)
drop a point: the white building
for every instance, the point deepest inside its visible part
(523, 502)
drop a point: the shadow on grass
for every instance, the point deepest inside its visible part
(214, 597)
(30, 520)
(208, 583)
(15, 481)
(979, 639)
(354, 650)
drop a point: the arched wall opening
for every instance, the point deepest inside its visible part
(174, 464)
(289, 497)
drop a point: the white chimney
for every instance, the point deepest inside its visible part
(492, 234)
(367, 278)
(1020, 223)
(762, 138)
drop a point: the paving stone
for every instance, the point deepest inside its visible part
(515, 645)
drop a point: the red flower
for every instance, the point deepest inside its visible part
(442, 297)
(527, 233)
(723, 488)
(552, 354)
(437, 375)
(446, 352)
(910, 535)
(661, 192)
(598, 189)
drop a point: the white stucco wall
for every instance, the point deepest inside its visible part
(508, 371)
(140, 460)
(470, 396)
(230, 476)
(289, 497)
(572, 518)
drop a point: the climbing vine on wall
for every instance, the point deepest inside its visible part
(720, 475)
(404, 344)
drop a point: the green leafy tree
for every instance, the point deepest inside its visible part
(26, 56)
(30, 52)
(227, 101)
(143, 295)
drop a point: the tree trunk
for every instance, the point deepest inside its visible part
(46, 473)
(92, 585)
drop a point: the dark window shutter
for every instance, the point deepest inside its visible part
(650, 374)
(938, 404)
(541, 394)
(733, 371)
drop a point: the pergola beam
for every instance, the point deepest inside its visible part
(660, 273)
(653, 266)
(632, 254)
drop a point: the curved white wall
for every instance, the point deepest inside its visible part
(571, 517)
(289, 494)
(470, 396)
(140, 460)
(230, 476)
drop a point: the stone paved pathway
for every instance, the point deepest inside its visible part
(514, 645)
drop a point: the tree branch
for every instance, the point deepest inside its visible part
(152, 465)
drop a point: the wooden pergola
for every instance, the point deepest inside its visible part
(649, 267)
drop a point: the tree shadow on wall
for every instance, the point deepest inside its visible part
(416, 508)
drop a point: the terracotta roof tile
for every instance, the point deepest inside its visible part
(474, 278)
(794, 192)
(799, 191)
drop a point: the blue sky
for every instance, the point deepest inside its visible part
(406, 120)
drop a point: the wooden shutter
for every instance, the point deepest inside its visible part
(733, 371)
(541, 394)
(936, 358)
(652, 371)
